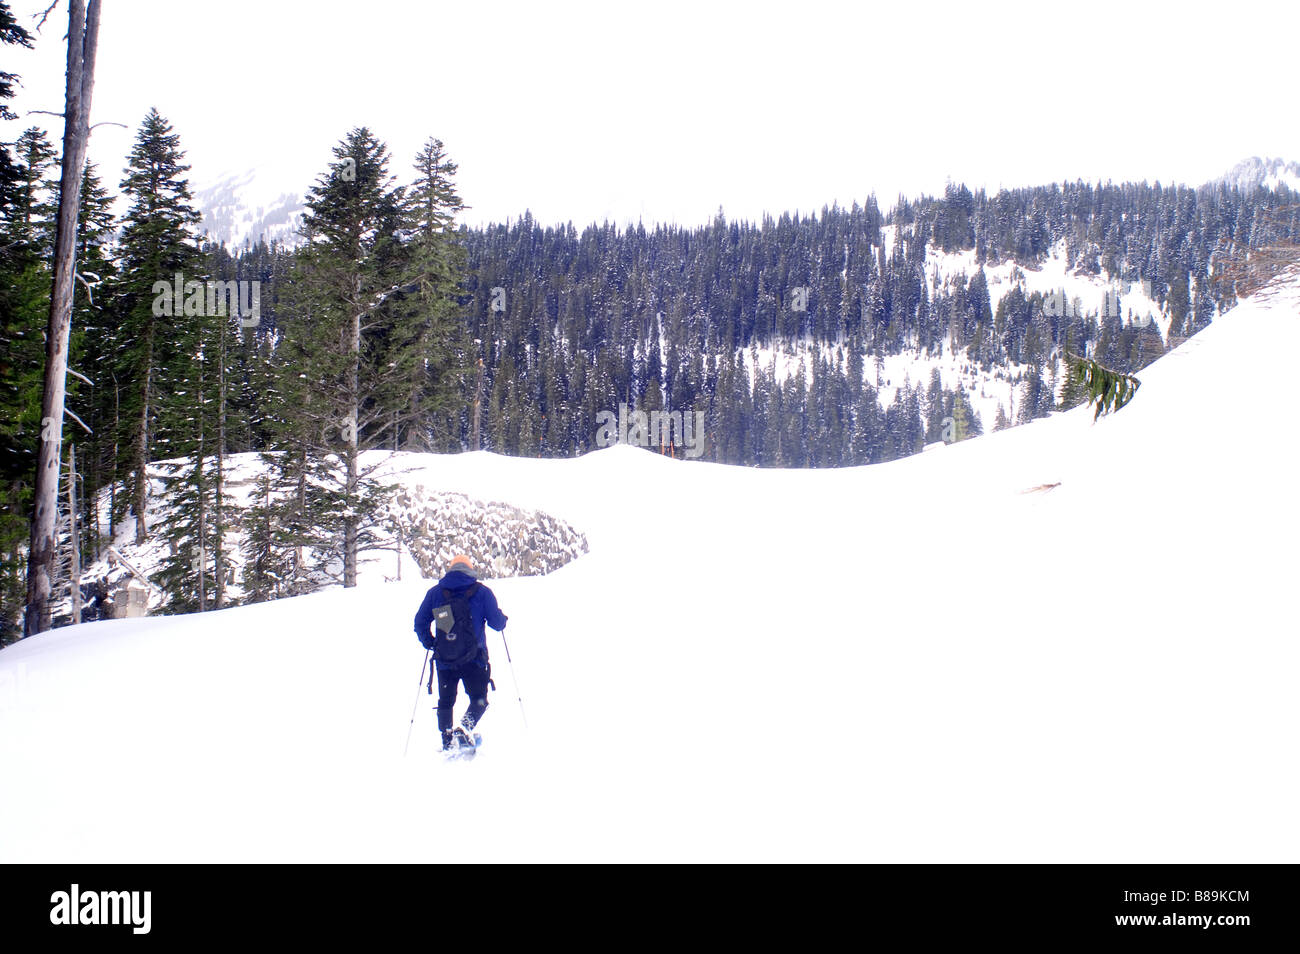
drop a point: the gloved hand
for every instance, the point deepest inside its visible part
(426, 642)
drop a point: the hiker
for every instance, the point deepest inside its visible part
(460, 605)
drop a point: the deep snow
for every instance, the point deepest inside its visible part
(928, 660)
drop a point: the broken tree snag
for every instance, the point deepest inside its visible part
(83, 36)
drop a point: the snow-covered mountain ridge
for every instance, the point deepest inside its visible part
(242, 208)
(1256, 173)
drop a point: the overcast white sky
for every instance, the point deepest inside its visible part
(666, 111)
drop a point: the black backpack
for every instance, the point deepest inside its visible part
(454, 642)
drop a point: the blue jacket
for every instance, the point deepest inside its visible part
(482, 609)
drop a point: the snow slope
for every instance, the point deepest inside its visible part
(1066, 641)
(241, 208)
(1256, 173)
(1073, 292)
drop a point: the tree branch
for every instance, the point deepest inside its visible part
(383, 297)
(68, 411)
(45, 15)
(90, 290)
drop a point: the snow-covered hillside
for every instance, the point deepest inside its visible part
(240, 209)
(1066, 641)
(1071, 292)
(1256, 173)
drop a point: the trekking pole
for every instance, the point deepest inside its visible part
(417, 701)
(514, 679)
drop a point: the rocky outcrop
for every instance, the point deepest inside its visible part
(501, 539)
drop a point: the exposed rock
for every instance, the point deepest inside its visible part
(501, 539)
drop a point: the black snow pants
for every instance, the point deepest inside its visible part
(476, 687)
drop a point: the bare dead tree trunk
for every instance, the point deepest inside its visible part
(279, 577)
(92, 513)
(201, 487)
(474, 442)
(74, 542)
(299, 555)
(350, 522)
(140, 492)
(219, 561)
(112, 484)
(83, 37)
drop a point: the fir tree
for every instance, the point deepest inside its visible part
(157, 244)
(1001, 422)
(35, 194)
(21, 359)
(352, 335)
(434, 342)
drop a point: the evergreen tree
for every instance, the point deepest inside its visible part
(91, 351)
(157, 244)
(21, 359)
(354, 336)
(966, 422)
(11, 34)
(1031, 396)
(935, 409)
(432, 343)
(266, 559)
(35, 194)
(187, 572)
(1001, 422)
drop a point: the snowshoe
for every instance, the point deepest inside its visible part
(464, 745)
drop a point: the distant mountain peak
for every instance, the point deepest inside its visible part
(241, 208)
(1255, 173)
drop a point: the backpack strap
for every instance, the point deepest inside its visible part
(470, 591)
